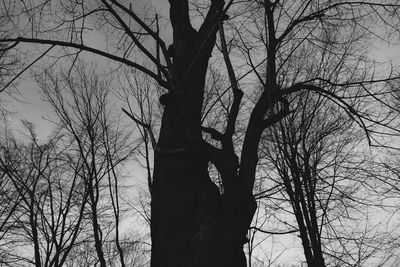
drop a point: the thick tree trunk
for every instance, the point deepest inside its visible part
(192, 222)
(189, 225)
(182, 224)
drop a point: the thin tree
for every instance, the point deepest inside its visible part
(317, 156)
(49, 199)
(100, 146)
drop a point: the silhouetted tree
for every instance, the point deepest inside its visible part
(46, 197)
(64, 194)
(317, 156)
(192, 222)
(80, 101)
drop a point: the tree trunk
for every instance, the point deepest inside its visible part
(192, 224)
(189, 225)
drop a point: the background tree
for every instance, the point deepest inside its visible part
(318, 157)
(48, 213)
(65, 193)
(80, 101)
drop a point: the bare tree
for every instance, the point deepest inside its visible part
(10, 202)
(49, 200)
(65, 193)
(101, 148)
(317, 156)
(192, 222)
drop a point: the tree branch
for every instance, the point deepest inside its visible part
(135, 39)
(92, 50)
(346, 107)
(274, 118)
(26, 68)
(208, 30)
(272, 232)
(237, 93)
(294, 23)
(153, 34)
(216, 135)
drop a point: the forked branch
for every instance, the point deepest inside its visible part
(237, 93)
